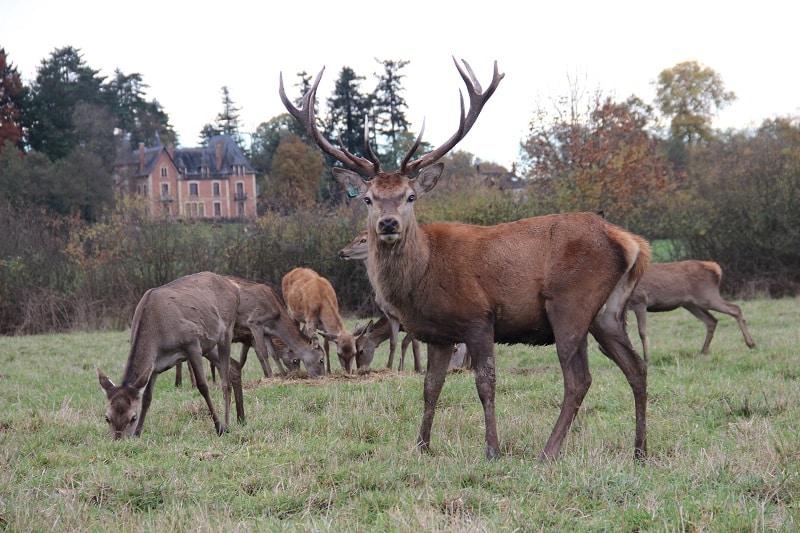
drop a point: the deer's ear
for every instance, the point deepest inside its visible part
(106, 383)
(141, 383)
(427, 178)
(353, 183)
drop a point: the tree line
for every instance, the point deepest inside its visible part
(69, 246)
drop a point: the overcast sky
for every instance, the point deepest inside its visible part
(186, 52)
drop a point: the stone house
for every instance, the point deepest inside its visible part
(213, 182)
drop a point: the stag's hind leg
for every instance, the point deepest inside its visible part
(609, 331)
(195, 357)
(485, 383)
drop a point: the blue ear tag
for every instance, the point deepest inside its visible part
(352, 192)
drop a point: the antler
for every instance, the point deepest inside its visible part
(477, 99)
(305, 115)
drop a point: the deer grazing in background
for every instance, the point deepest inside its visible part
(543, 280)
(311, 300)
(263, 322)
(187, 319)
(387, 327)
(693, 285)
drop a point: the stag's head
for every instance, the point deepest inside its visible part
(390, 196)
(122, 412)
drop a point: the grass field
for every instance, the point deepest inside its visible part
(338, 454)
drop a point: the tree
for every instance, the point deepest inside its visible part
(226, 123)
(63, 80)
(348, 108)
(388, 113)
(136, 118)
(295, 177)
(602, 160)
(691, 95)
(11, 93)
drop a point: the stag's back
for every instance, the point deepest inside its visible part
(667, 286)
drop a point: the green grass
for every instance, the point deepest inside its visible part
(338, 454)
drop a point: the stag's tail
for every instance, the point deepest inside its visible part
(642, 258)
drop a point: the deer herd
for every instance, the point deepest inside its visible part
(458, 288)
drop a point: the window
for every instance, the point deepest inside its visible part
(165, 189)
(195, 209)
(194, 189)
(163, 172)
(217, 209)
(239, 188)
(215, 187)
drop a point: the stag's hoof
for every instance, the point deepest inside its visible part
(221, 429)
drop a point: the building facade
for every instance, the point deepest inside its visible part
(213, 182)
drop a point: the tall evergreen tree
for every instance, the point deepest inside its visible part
(136, 118)
(227, 121)
(348, 108)
(63, 80)
(389, 113)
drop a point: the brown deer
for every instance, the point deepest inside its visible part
(311, 300)
(263, 321)
(543, 280)
(387, 327)
(186, 319)
(693, 285)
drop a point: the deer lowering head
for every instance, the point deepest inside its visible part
(542, 280)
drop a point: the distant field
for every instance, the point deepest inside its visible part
(338, 454)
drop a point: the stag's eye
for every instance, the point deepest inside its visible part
(296, 361)
(411, 198)
(133, 419)
(108, 420)
(367, 201)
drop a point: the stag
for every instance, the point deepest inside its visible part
(387, 327)
(545, 280)
(185, 320)
(693, 285)
(311, 300)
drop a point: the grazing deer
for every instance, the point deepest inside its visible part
(542, 280)
(263, 321)
(693, 285)
(311, 300)
(387, 327)
(186, 319)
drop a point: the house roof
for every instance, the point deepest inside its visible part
(189, 160)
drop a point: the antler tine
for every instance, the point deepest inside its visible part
(307, 118)
(413, 148)
(477, 99)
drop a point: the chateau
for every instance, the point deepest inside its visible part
(214, 182)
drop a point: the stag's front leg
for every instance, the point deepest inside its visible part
(438, 360)
(485, 383)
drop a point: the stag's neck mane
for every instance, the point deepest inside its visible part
(395, 269)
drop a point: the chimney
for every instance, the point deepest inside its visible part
(141, 156)
(219, 154)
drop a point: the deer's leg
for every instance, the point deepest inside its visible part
(235, 372)
(706, 318)
(195, 358)
(438, 359)
(394, 332)
(179, 374)
(485, 383)
(614, 343)
(147, 397)
(641, 323)
(735, 311)
(262, 352)
(415, 351)
(273, 352)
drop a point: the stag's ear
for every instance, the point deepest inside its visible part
(329, 336)
(427, 178)
(106, 383)
(353, 183)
